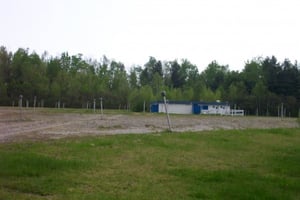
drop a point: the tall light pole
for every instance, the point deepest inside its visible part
(163, 94)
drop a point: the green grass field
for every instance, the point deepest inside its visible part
(235, 164)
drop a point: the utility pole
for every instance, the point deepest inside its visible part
(163, 94)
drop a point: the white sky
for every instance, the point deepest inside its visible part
(229, 31)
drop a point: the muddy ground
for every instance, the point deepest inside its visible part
(38, 124)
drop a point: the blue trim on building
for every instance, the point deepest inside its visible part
(197, 106)
(154, 107)
(192, 102)
(174, 102)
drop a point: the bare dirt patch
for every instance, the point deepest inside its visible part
(40, 124)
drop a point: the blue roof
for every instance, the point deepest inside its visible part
(192, 102)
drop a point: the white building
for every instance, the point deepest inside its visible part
(195, 107)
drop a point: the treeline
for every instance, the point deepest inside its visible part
(260, 88)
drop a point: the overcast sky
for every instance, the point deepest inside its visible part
(228, 31)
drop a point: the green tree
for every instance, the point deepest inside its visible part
(119, 84)
(133, 77)
(188, 94)
(288, 79)
(157, 84)
(260, 91)
(178, 75)
(252, 73)
(29, 75)
(190, 73)
(53, 68)
(103, 77)
(54, 93)
(5, 74)
(151, 67)
(65, 61)
(140, 97)
(206, 94)
(237, 94)
(174, 94)
(59, 88)
(271, 68)
(214, 75)
(261, 86)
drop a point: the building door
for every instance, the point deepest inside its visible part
(196, 109)
(154, 107)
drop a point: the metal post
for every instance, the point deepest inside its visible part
(101, 105)
(235, 109)
(281, 110)
(20, 106)
(94, 105)
(34, 103)
(166, 108)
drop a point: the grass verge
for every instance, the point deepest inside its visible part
(235, 164)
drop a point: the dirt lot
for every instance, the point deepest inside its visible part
(16, 125)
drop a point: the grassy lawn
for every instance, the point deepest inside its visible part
(236, 164)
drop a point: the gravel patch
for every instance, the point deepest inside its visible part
(38, 124)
